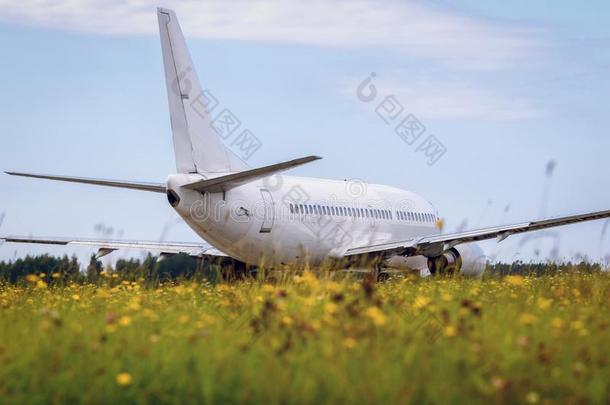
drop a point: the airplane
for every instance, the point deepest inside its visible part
(261, 217)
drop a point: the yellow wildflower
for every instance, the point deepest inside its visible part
(558, 323)
(528, 319)
(123, 379)
(421, 302)
(532, 398)
(514, 280)
(375, 314)
(544, 303)
(349, 343)
(577, 325)
(125, 321)
(450, 331)
(330, 308)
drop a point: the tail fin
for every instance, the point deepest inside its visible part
(197, 146)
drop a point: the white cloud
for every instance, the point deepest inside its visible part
(446, 99)
(419, 30)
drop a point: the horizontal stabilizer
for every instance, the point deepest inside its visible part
(154, 187)
(236, 179)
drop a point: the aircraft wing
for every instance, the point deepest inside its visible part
(436, 245)
(108, 246)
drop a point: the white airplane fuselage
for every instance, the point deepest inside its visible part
(287, 220)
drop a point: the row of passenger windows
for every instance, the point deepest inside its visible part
(359, 212)
(415, 216)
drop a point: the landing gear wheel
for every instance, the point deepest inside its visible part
(232, 270)
(379, 275)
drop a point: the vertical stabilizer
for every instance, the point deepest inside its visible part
(197, 146)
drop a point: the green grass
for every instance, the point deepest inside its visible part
(309, 340)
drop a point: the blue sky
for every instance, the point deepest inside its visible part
(505, 86)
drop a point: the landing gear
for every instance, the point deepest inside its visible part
(379, 275)
(226, 269)
(232, 270)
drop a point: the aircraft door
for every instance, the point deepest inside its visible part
(268, 211)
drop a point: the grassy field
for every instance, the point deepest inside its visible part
(308, 340)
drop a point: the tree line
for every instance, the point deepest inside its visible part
(56, 270)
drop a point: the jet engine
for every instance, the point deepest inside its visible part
(468, 260)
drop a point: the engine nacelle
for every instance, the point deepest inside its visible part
(468, 260)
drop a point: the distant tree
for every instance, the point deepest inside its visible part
(94, 269)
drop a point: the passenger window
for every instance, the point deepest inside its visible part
(291, 209)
